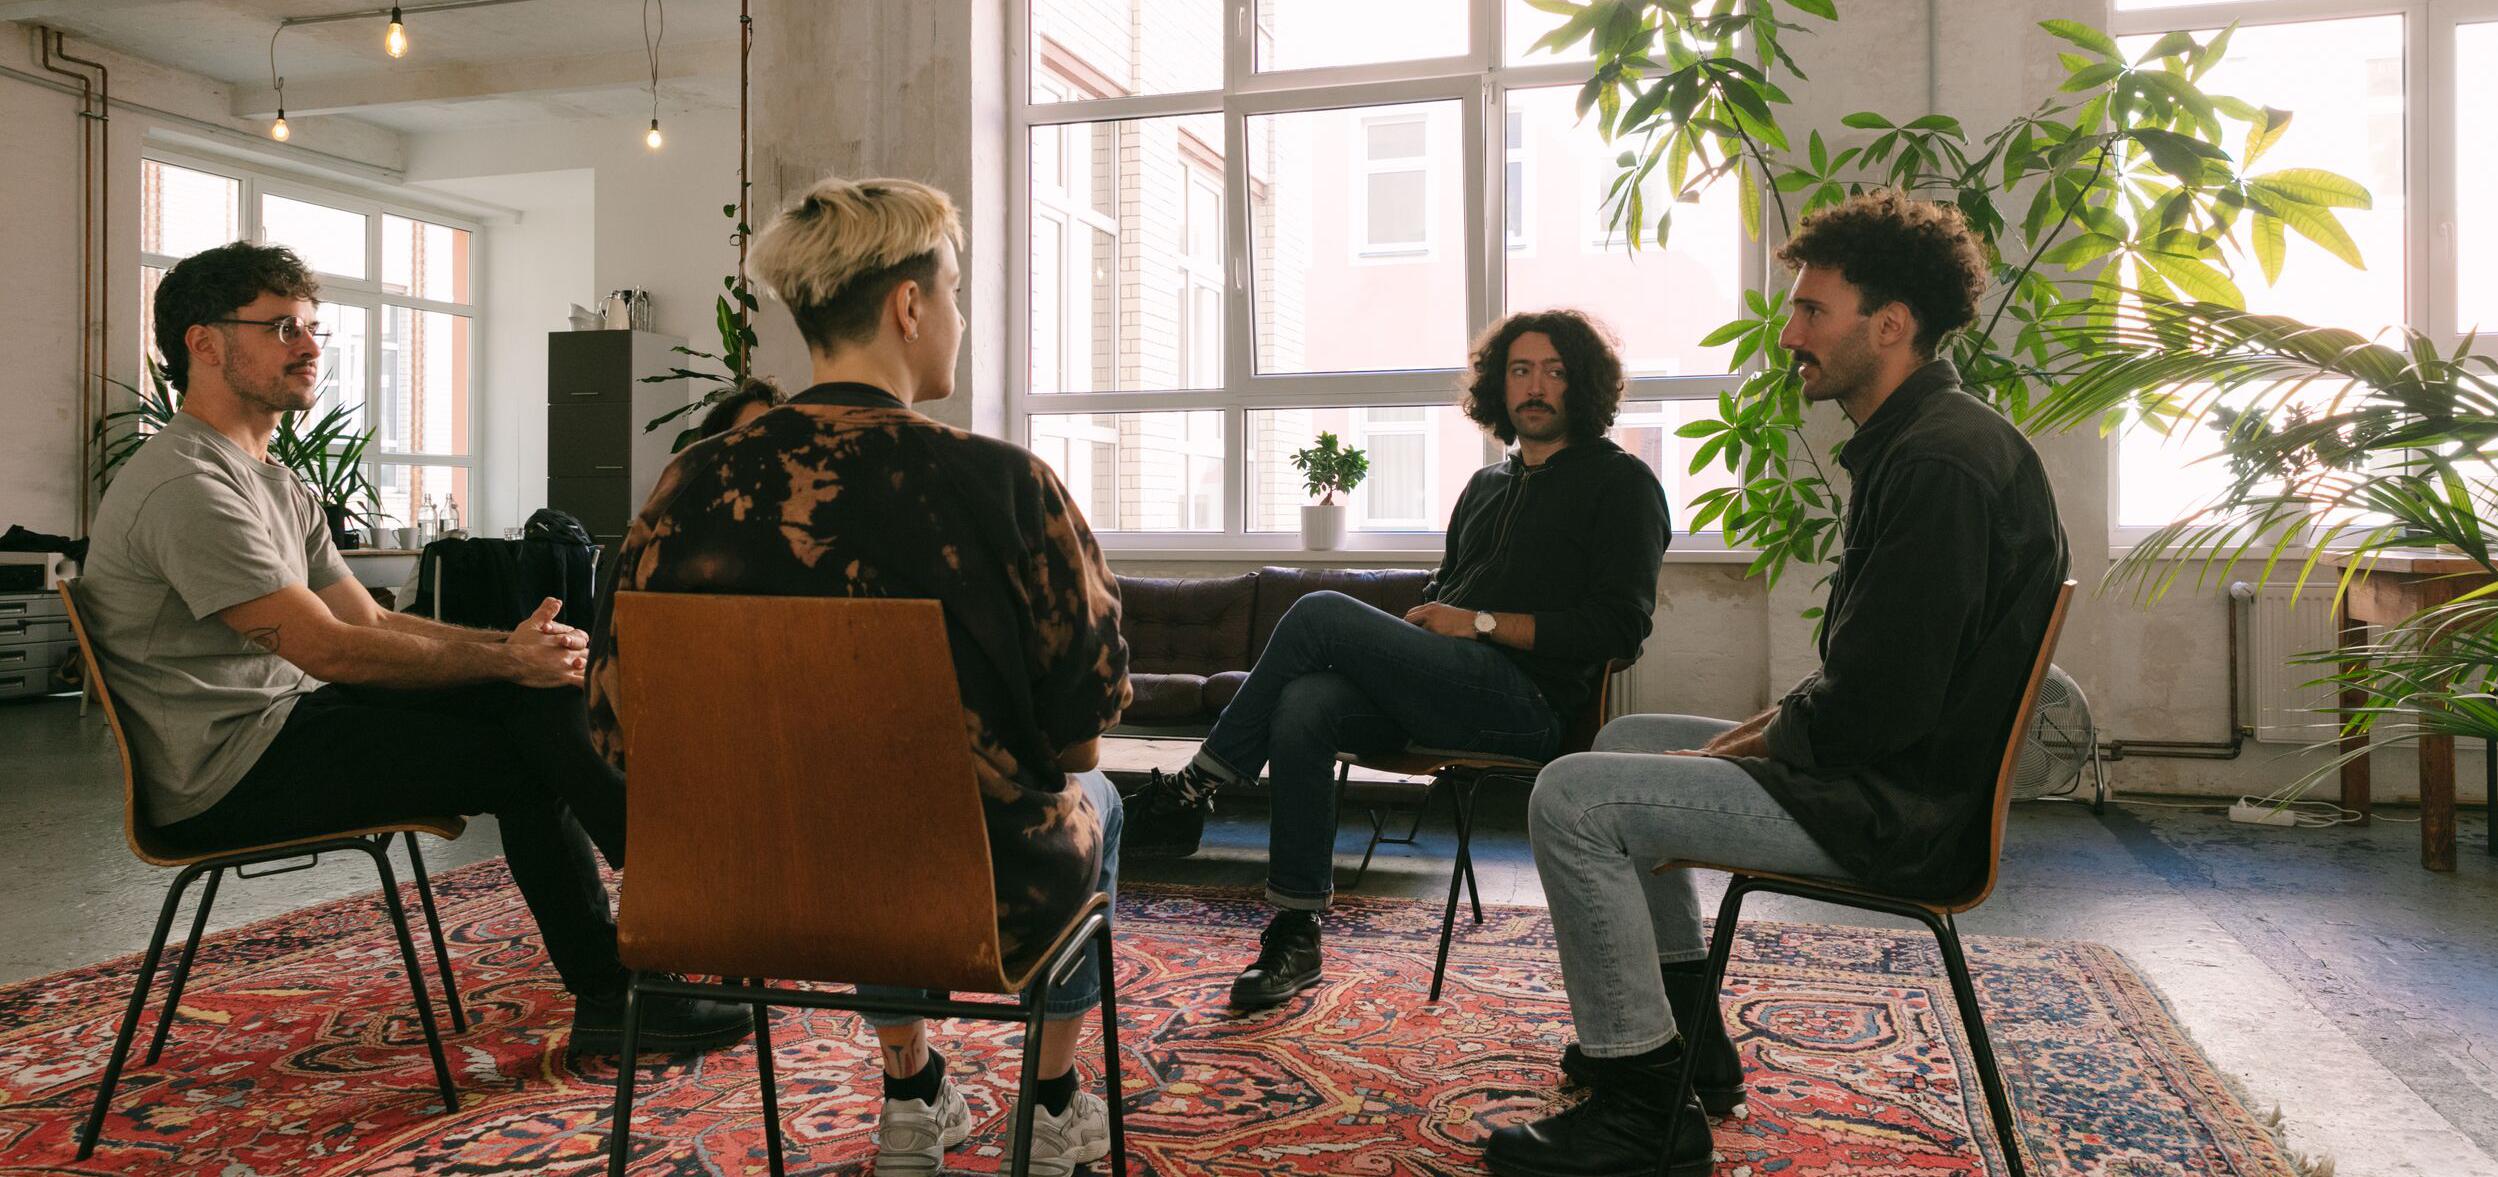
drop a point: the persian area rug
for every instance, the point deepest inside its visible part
(297, 1052)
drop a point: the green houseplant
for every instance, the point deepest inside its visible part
(2131, 184)
(1329, 468)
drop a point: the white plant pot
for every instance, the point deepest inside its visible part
(1322, 528)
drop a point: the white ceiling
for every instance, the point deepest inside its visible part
(529, 61)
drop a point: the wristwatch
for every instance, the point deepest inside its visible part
(1484, 623)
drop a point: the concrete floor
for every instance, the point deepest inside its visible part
(2323, 969)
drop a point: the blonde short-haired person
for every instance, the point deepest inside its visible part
(844, 490)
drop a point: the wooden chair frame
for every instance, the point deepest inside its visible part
(149, 847)
(732, 759)
(1935, 915)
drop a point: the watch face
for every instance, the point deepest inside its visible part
(1483, 623)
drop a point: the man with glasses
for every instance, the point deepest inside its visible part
(268, 697)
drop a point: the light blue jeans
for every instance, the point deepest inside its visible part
(1600, 820)
(1083, 989)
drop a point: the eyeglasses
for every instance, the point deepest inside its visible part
(290, 330)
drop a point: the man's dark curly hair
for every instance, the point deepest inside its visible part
(1590, 400)
(757, 390)
(1892, 248)
(213, 284)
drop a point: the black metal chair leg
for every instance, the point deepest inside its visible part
(130, 1016)
(771, 1090)
(416, 974)
(433, 924)
(182, 967)
(1109, 969)
(1721, 951)
(1457, 879)
(1465, 798)
(620, 1121)
(1028, 1085)
(1981, 1050)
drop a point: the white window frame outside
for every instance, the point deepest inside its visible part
(1367, 429)
(367, 293)
(1479, 82)
(2430, 125)
(1521, 244)
(1366, 167)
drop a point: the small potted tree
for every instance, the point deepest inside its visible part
(1330, 470)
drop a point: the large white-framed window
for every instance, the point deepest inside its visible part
(1376, 211)
(399, 299)
(2394, 94)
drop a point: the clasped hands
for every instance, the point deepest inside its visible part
(550, 653)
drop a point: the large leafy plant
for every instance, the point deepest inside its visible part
(2132, 185)
(732, 313)
(2335, 444)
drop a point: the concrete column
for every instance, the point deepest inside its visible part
(861, 88)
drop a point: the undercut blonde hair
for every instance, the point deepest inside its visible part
(835, 255)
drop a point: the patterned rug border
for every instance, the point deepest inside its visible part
(70, 996)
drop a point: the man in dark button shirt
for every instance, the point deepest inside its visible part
(1879, 767)
(1550, 572)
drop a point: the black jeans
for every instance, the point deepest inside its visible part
(358, 756)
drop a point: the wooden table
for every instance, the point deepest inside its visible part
(2393, 586)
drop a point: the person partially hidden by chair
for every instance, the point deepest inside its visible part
(753, 397)
(1550, 572)
(269, 698)
(1877, 768)
(847, 491)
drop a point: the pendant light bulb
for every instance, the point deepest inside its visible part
(277, 130)
(653, 139)
(395, 42)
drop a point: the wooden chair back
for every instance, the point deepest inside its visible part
(1581, 733)
(801, 799)
(2014, 742)
(143, 840)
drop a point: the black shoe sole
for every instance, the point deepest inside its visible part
(1504, 1167)
(1256, 1002)
(605, 1042)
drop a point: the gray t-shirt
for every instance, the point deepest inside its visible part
(192, 525)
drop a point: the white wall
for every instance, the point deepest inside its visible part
(536, 267)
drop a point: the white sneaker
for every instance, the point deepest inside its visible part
(912, 1135)
(1061, 1144)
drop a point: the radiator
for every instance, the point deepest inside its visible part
(2287, 704)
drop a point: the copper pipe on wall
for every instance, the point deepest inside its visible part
(95, 284)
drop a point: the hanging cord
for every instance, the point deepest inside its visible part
(274, 79)
(650, 46)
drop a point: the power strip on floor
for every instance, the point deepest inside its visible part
(2254, 814)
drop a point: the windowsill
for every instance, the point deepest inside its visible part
(1359, 557)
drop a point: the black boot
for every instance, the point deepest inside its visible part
(1166, 816)
(1287, 962)
(1619, 1131)
(670, 1025)
(1718, 1081)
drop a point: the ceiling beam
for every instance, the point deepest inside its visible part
(44, 10)
(453, 83)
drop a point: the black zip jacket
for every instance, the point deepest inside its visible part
(1888, 754)
(1576, 542)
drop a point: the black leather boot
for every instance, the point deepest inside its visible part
(1287, 962)
(1619, 1131)
(1718, 1081)
(1166, 816)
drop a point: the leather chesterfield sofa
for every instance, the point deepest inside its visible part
(1192, 640)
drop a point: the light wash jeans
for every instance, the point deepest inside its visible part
(1341, 676)
(1083, 989)
(1601, 820)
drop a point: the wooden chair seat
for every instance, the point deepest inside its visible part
(817, 744)
(150, 846)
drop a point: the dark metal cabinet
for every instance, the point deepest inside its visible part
(600, 464)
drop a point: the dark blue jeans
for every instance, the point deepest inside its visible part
(1340, 675)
